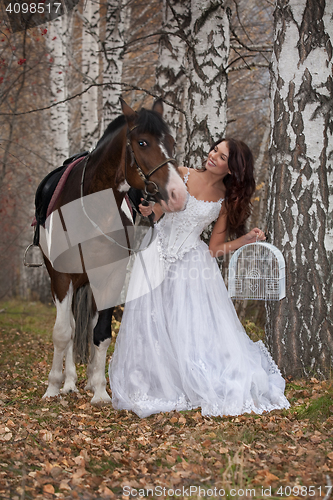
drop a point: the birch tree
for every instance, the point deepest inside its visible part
(59, 36)
(90, 131)
(192, 76)
(300, 213)
(117, 19)
(207, 59)
(171, 71)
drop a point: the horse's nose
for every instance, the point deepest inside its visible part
(176, 192)
(177, 198)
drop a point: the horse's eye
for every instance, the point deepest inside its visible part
(143, 144)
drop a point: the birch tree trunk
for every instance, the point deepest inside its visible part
(117, 20)
(299, 328)
(59, 30)
(207, 56)
(171, 72)
(90, 131)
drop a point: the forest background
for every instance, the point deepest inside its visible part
(257, 70)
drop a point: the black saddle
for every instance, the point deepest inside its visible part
(45, 192)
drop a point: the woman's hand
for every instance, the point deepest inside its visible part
(255, 235)
(145, 210)
(219, 247)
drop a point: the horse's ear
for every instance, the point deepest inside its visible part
(127, 110)
(158, 106)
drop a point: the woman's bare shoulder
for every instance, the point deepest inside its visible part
(182, 171)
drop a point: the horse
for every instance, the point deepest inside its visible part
(134, 151)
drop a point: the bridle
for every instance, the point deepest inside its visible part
(149, 195)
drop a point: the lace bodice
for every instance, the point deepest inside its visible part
(179, 232)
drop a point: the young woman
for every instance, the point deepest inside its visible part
(181, 344)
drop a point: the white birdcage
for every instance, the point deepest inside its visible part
(257, 272)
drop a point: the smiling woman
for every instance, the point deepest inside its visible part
(218, 158)
(180, 344)
(239, 182)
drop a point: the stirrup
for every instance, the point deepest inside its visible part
(30, 264)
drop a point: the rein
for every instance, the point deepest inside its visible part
(96, 226)
(147, 195)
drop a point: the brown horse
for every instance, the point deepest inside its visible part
(87, 237)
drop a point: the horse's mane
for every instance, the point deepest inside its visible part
(112, 128)
(146, 121)
(151, 122)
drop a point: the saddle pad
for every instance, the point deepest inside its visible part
(60, 186)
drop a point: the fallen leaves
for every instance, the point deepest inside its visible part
(64, 486)
(46, 435)
(265, 478)
(48, 488)
(65, 448)
(316, 438)
(5, 433)
(113, 449)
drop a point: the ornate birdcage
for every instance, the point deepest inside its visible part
(257, 271)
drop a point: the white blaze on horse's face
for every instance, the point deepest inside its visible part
(175, 188)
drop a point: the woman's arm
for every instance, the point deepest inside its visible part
(218, 246)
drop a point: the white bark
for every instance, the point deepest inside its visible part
(299, 329)
(171, 73)
(90, 131)
(117, 19)
(59, 35)
(208, 51)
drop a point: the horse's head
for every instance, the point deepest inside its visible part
(149, 164)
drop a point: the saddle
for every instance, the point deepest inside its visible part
(46, 190)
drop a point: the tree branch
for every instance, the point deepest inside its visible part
(79, 94)
(249, 67)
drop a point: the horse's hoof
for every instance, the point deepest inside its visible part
(51, 393)
(69, 389)
(101, 401)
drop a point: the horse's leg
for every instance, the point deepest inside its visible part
(90, 367)
(96, 367)
(62, 341)
(70, 369)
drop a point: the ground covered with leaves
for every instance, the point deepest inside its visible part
(65, 448)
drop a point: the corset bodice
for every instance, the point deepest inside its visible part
(179, 232)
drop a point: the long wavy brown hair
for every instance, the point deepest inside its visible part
(240, 185)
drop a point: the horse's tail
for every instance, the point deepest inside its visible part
(83, 315)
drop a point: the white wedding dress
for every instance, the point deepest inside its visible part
(181, 344)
